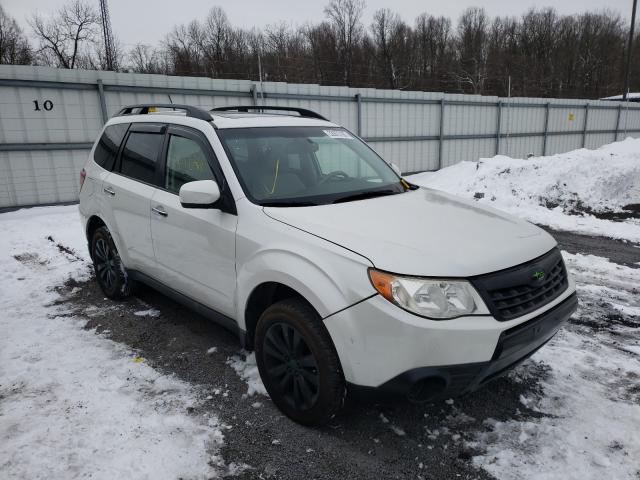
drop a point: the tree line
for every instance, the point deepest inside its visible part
(538, 54)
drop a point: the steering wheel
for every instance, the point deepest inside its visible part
(337, 174)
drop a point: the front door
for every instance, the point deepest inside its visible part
(194, 247)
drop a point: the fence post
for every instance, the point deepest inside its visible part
(359, 114)
(254, 94)
(498, 127)
(441, 133)
(618, 121)
(103, 102)
(584, 127)
(546, 129)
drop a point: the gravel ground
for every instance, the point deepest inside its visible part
(617, 251)
(369, 440)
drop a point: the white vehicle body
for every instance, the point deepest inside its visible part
(218, 261)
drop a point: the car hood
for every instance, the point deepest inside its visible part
(423, 232)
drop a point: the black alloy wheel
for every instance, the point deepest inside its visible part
(291, 365)
(298, 362)
(105, 263)
(110, 272)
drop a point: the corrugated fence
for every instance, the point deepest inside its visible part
(50, 117)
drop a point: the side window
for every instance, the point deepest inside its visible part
(108, 145)
(140, 156)
(186, 162)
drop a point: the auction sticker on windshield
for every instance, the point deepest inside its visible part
(338, 134)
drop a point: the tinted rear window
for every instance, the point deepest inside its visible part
(140, 156)
(107, 148)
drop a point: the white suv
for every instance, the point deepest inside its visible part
(341, 275)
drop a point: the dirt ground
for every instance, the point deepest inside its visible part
(368, 440)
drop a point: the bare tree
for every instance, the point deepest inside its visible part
(145, 59)
(66, 36)
(391, 37)
(345, 16)
(433, 49)
(14, 46)
(472, 49)
(542, 52)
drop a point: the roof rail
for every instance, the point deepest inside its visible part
(144, 108)
(303, 112)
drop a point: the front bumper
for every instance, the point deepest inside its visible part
(425, 359)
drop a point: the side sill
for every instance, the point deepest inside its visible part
(209, 313)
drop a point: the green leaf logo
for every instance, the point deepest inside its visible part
(538, 275)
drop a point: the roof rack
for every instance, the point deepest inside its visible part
(303, 112)
(190, 110)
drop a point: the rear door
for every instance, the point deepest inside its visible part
(128, 190)
(194, 247)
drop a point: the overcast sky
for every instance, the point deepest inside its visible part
(146, 21)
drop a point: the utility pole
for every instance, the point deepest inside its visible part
(260, 75)
(629, 48)
(107, 36)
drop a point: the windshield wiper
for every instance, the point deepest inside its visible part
(288, 203)
(365, 195)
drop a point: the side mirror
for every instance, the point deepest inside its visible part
(396, 168)
(199, 194)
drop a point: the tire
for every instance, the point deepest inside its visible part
(109, 269)
(298, 363)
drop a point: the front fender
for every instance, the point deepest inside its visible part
(329, 282)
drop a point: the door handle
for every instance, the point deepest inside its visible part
(110, 191)
(159, 210)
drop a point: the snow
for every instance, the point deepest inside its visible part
(559, 191)
(630, 95)
(247, 370)
(590, 398)
(72, 403)
(151, 312)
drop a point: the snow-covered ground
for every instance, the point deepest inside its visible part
(561, 191)
(72, 403)
(591, 398)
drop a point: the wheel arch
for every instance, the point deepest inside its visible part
(93, 224)
(262, 297)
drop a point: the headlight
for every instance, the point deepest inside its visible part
(429, 297)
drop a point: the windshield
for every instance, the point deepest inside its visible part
(291, 166)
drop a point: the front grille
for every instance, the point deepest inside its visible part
(520, 290)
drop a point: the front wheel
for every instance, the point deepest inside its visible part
(298, 363)
(110, 272)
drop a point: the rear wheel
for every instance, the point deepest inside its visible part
(298, 363)
(110, 272)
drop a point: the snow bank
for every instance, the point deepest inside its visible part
(561, 191)
(590, 397)
(72, 403)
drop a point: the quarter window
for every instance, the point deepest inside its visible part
(186, 162)
(140, 156)
(108, 145)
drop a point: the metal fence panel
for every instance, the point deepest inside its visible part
(40, 177)
(50, 117)
(564, 143)
(470, 149)
(410, 156)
